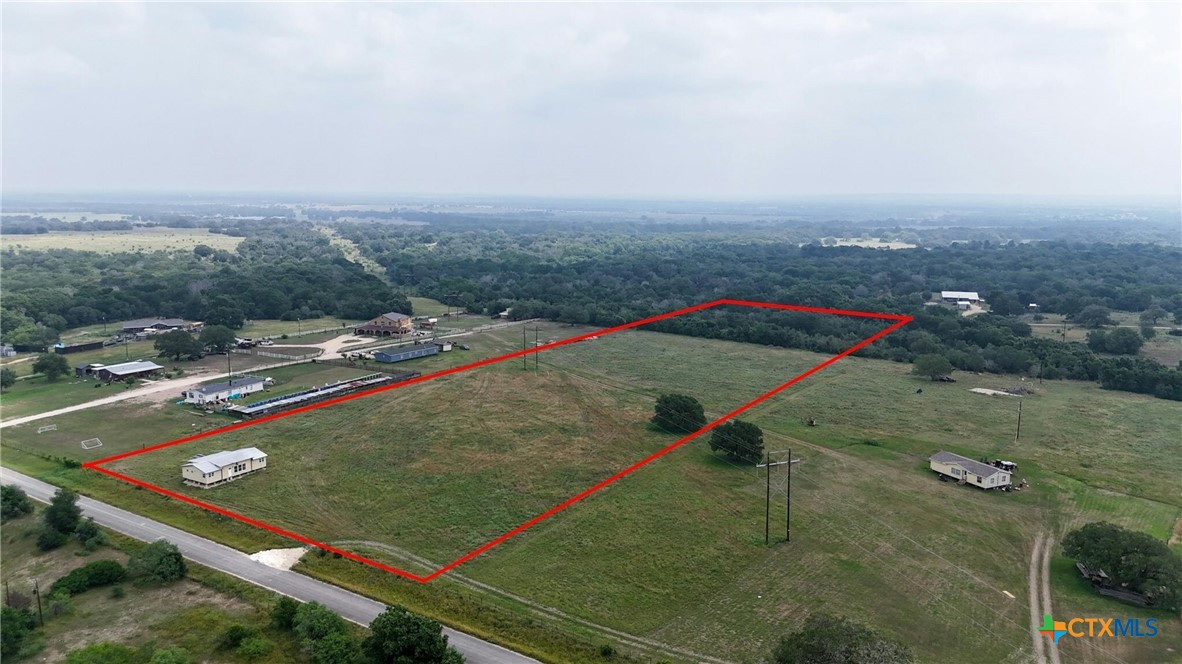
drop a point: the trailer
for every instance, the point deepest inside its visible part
(395, 355)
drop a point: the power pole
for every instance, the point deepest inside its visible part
(767, 509)
(524, 357)
(788, 502)
(37, 594)
(1018, 431)
(535, 348)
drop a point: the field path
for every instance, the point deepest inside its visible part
(1048, 546)
(1040, 653)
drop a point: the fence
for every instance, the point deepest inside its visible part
(280, 356)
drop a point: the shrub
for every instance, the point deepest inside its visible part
(15, 627)
(102, 653)
(89, 534)
(235, 635)
(94, 575)
(14, 503)
(50, 539)
(254, 647)
(160, 562)
(284, 612)
(117, 592)
(173, 655)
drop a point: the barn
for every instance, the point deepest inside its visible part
(395, 355)
(125, 370)
(388, 324)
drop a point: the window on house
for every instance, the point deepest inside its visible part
(978, 479)
(956, 471)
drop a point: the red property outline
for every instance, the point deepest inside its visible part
(900, 321)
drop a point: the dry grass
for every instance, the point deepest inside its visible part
(109, 242)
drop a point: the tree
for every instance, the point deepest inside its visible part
(336, 648)
(54, 366)
(1147, 332)
(932, 365)
(1123, 341)
(254, 647)
(14, 503)
(7, 378)
(63, 513)
(160, 562)
(1136, 560)
(1153, 314)
(177, 343)
(15, 627)
(1093, 315)
(738, 439)
(1098, 340)
(678, 413)
(827, 639)
(314, 621)
(398, 636)
(203, 251)
(217, 337)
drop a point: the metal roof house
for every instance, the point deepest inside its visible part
(154, 324)
(396, 355)
(967, 471)
(392, 323)
(231, 389)
(954, 296)
(221, 467)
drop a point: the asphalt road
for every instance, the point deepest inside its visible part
(351, 606)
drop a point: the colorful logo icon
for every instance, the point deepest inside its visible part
(1053, 628)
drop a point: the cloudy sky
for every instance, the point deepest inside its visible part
(636, 100)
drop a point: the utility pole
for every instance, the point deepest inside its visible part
(524, 357)
(788, 502)
(767, 509)
(1018, 431)
(535, 348)
(37, 594)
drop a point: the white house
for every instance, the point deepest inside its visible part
(221, 467)
(955, 296)
(231, 389)
(966, 471)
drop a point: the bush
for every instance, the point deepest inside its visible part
(94, 575)
(173, 655)
(284, 612)
(314, 621)
(254, 647)
(103, 653)
(14, 503)
(826, 638)
(234, 636)
(117, 592)
(15, 627)
(160, 562)
(89, 534)
(50, 539)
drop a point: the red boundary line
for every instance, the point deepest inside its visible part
(900, 321)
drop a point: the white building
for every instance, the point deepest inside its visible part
(967, 471)
(221, 467)
(955, 296)
(231, 389)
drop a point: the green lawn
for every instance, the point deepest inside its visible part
(257, 329)
(425, 306)
(675, 551)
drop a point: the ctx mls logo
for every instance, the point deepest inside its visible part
(1096, 627)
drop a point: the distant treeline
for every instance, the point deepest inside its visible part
(281, 270)
(605, 278)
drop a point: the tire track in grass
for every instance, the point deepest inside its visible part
(1040, 653)
(1047, 547)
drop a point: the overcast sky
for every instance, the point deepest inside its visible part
(636, 100)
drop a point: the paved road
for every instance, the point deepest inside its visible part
(351, 606)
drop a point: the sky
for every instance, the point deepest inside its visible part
(580, 99)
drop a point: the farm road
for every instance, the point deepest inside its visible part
(1040, 589)
(351, 606)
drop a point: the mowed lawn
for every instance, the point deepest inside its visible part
(675, 551)
(109, 242)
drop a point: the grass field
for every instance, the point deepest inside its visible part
(256, 329)
(110, 242)
(675, 551)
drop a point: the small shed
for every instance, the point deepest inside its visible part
(443, 344)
